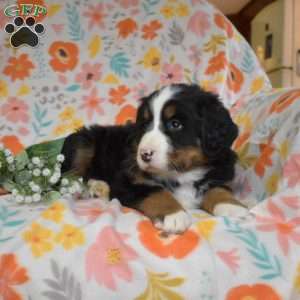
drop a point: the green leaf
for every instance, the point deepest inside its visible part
(73, 88)
(278, 265)
(52, 196)
(247, 64)
(13, 213)
(263, 266)
(46, 124)
(75, 30)
(120, 64)
(47, 149)
(23, 177)
(270, 276)
(13, 223)
(257, 254)
(5, 239)
(21, 160)
(8, 185)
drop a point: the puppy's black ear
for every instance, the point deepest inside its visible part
(217, 130)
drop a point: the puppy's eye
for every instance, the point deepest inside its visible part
(174, 125)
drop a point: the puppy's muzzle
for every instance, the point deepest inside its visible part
(146, 155)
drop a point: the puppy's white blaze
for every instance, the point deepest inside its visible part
(159, 102)
(155, 140)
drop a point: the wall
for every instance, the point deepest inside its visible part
(268, 22)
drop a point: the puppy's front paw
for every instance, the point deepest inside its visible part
(175, 223)
(230, 210)
(99, 189)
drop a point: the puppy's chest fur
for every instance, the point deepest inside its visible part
(182, 186)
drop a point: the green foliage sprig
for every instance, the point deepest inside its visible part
(35, 175)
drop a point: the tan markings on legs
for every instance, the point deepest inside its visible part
(159, 205)
(82, 160)
(216, 196)
(187, 158)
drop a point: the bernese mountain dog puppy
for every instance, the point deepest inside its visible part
(177, 156)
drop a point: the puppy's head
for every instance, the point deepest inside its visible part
(181, 128)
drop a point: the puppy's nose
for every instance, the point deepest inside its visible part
(146, 155)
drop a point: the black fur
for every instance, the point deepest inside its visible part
(114, 147)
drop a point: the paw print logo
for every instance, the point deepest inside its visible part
(24, 33)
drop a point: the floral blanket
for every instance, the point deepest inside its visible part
(94, 60)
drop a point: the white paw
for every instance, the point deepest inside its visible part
(175, 223)
(98, 189)
(230, 210)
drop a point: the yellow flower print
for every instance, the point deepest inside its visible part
(167, 11)
(70, 237)
(244, 120)
(182, 10)
(23, 90)
(297, 280)
(54, 212)
(67, 114)
(257, 84)
(272, 183)
(39, 238)
(152, 59)
(284, 149)
(205, 84)
(76, 124)
(111, 79)
(3, 89)
(161, 286)
(206, 228)
(61, 129)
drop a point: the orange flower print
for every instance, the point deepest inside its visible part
(128, 3)
(235, 78)
(18, 67)
(241, 140)
(216, 63)
(95, 15)
(42, 3)
(117, 95)
(11, 275)
(258, 291)
(12, 143)
(126, 115)
(64, 56)
(126, 27)
(223, 23)
(149, 30)
(285, 229)
(285, 101)
(264, 159)
(177, 246)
